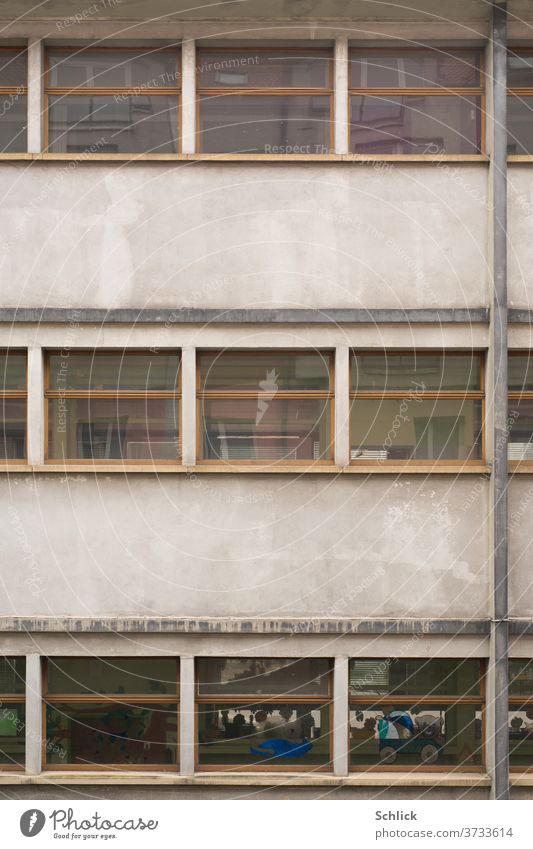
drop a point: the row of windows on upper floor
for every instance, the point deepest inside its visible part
(264, 406)
(264, 100)
(121, 713)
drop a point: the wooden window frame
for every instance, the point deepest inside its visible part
(51, 394)
(437, 91)
(17, 90)
(7, 699)
(132, 700)
(514, 703)
(384, 395)
(109, 91)
(244, 700)
(354, 701)
(16, 395)
(207, 91)
(520, 395)
(282, 394)
(520, 91)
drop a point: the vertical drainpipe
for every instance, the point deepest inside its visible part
(500, 624)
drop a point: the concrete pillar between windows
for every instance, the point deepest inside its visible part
(497, 690)
(342, 123)
(34, 714)
(188, 406)
(342, 405)
(340, 716)
(35, 95)
(187, 724)
(188, 97)
(35, 427)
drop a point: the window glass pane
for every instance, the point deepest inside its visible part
(12, 675)
(521, 373)
(111, 733)
(113, 428)
(414, 69)
(371, 372)
(13, 120)
(263, 676)
(114, 69)
(520, 124)
(94, 675)
(12, 429)
(520, 725)
(263, 733)
(12, 371)
(415, 124)
(13, 68)
(381, 676)
(263, 69)
(520, 71)
(412, 428)
(265, 124)
(12, 734)
(416, 735)
(520, 445)
(113, 124)
(131, 372)
(266, 428)
(521, 678)
(265, 372)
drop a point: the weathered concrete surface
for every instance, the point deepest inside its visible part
(227, 235)
(520, 546)
(256, 546)
(520, 248)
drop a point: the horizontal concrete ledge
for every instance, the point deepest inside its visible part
(244, 779)
(521, 627)
(280, 158)
(185, 315)
(517, 316)
(215, 469)
(289, 626)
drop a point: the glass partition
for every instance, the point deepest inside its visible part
(13, 405)
(13, 100)
(12, 712)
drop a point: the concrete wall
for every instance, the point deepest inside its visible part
(520, 199)
(229, 545)
(243, 235)
(520, 546)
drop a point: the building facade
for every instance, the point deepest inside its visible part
(267, 400)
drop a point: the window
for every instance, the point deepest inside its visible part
(416, 713)
(13, 398)
(113, 406)
(520, 413)
(113, 101)
(521, 714)
(416, 407)
(13, 100)
(520, 103)
(416, 101)
(265, 100)
(111, 712)
(265, 406)
(264, 714)
(12, 712)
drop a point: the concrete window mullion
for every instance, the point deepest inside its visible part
(342, 405)
(187, 723)
(341, 96)
(35, 95)
(35, 424)
(188, 97)
(188, 406)
(340, 716)
(34, 713)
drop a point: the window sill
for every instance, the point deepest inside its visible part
(245, 157)
(364, 779)
(216, 469)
